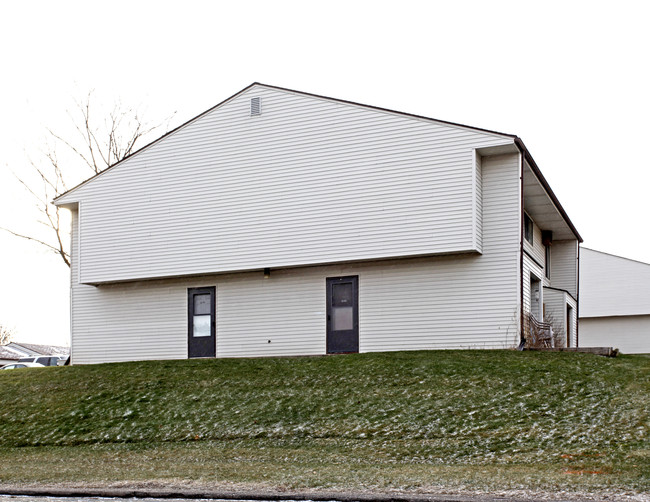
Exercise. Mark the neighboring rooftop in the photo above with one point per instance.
(611, 285)
(8, 355)
(16, 350)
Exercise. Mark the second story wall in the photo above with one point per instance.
(309, 181)
(536, 249)
(564, 266)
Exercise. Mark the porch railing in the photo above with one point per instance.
(537, 334)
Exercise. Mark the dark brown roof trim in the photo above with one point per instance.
(378, 108)
(547, 187)
(285, 90)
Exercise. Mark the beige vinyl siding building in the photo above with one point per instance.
(316, 226)
(614, 302)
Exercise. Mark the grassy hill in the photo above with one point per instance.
(405, 420)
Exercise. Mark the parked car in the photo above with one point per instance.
(15, 366)
(44, 360)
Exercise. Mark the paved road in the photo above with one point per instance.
(297, 497)
(27, 498)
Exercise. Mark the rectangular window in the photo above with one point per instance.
(547, 261)
(528, 228)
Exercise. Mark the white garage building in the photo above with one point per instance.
(614, 302)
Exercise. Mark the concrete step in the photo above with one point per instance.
(600, 351)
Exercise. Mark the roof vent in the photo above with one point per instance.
(256, 106)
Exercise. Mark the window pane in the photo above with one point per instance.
(202, 304)
(201, 324)
(342, 294)
(528, 228)
(342, 318)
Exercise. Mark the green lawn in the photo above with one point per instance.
(403, 420)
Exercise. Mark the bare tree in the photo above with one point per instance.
(6, 334)
(94, 145)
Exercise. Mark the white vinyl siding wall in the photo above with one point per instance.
(310, 181)
(74, 275)
(534, 262)
(536, 249)
(614, 302)
(613, 285)
(459, 301)
(555, 312)
(630, 334)
(531, 267)
(555, 305)
(573, 327)
(131, 322)
(478, 203)
(528, 267)
(564, 266)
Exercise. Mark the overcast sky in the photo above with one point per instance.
(570, 78)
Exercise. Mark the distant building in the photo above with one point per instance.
(13, 351)
(614, 302)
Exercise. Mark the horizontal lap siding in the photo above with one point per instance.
(478, 209)
(536, 249)
(74, 285)
(232, 192)
(459, 301)
(630, 334)
(455, 301)
(125, 322)
(531, 268)
(612, 285)
(279, 316)
(573, 328)
(564, 266)
(555, 313)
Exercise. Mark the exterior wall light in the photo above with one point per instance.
(267, 273)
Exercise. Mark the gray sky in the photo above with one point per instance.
(570, 78)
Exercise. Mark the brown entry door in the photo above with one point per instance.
(342, 314)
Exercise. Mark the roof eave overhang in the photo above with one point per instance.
(65, 204)
(547, 188)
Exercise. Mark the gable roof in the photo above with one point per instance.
(8, 355)
(282, 89)
(33, 349)
(514, 138)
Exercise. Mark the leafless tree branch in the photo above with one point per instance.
(98, 145)
(59, 251)
(6, 334)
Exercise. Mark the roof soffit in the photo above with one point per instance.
(541, 208)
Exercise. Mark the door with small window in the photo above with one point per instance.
(202, 339)
(342, 314)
